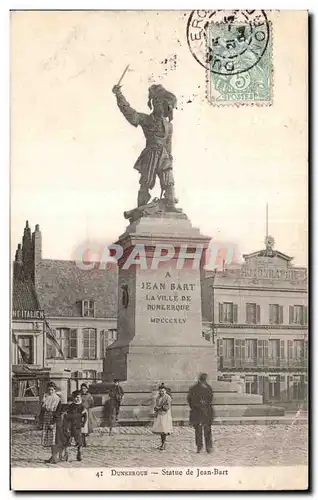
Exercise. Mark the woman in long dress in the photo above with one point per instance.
(51, 419)
(163, 419)
(88, 403)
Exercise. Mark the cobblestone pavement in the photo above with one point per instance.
(234, 445)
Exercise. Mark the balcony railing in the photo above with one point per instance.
(265, 363)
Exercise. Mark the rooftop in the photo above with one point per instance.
(61, 286)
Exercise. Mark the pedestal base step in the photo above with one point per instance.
(181, 413)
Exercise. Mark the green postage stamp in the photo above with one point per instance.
(239, 61)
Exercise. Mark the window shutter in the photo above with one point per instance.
(305, 353)
(243, 347)
(289, 387)
(271, 318)
(73, 343)
(102, 343)
(234, 313)
(282, 349)
(290, 349)
(282, 388)
(220, 353)
(291, 314)
(55, 353)
(221, 348)
(220, 312)
(258, 314)
(281, 315)
(93, 346)
(265, 346)
(247, 318)
(305, 315)
(237, 347)
(92, 307)
(260, 385)
(260, 353)
(49, 350)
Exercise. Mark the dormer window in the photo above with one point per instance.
(88, 308)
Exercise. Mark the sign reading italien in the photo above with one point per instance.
(27, 314)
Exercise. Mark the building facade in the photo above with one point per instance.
(257, 313)
(78, 308)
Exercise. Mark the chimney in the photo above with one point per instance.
(17, 264)
(18, 254)
(37, 246)
(27, 253)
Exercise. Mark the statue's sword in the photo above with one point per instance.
(122, 76)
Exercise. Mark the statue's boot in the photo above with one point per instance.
(143, 196)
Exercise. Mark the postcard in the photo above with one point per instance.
(159, 321)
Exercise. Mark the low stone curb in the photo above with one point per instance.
(302, 420)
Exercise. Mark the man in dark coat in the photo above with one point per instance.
(201, 412)
(116, 395)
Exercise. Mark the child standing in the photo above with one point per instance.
(163, 419)
(88, 403)
(75, 421)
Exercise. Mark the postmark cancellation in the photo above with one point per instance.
(235, 48)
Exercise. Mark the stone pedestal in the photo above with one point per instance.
(159, 334)
(160, 325)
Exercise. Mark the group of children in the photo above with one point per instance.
(63, 424)
(73, 422)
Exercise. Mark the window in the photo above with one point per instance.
(107, 337)
(251, 384)
(25, 351)
(88, 308)
(273, 352)
(89, 347)
(299, 349)
(297, 353)
(251, 350)
(227, 312)
(298, 388)
(90, 374)
(26, 388)
(252, 313)
(273, 387)
(297, 315)
(228, 352)
(67, 339)
(276, 314)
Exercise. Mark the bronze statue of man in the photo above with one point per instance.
(156, 159)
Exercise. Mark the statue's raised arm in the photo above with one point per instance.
(131, 115)
(155, 161)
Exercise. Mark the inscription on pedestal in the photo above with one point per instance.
(176, 299)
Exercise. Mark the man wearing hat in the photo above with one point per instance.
(116, 395)
(156, 159)
(200, 398)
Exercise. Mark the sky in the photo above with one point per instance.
(72, 152)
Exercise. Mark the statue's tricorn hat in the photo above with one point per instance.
(160, 92)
